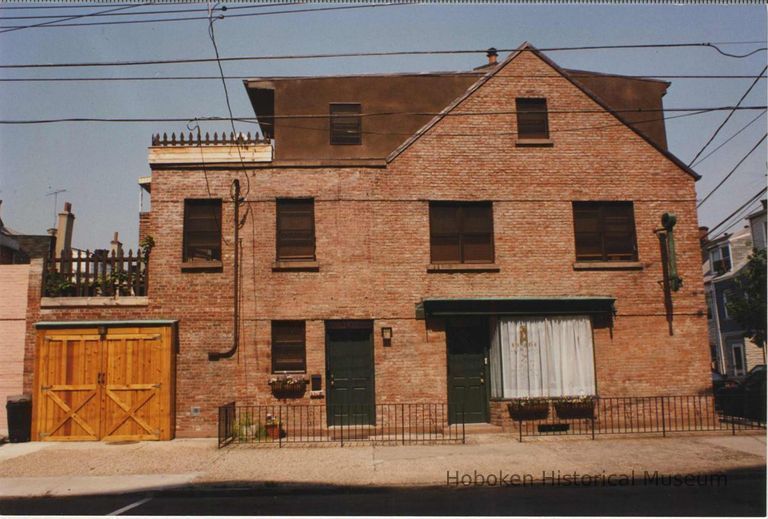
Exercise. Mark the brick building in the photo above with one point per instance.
(457, 237)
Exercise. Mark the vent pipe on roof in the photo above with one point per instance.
(492, 55)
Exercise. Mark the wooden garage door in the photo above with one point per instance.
(117, 386)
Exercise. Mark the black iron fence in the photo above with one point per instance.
(637, 415)
(405, 424)
(96, 273)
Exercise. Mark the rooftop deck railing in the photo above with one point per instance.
(93, 274)
(192, 139)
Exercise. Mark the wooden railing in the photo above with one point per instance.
(200, 140)
(97, 273)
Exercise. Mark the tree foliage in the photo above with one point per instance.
(747, 306)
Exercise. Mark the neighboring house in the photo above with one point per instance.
(461, 238)
(19, 248)
(724, 258)
(758, 224)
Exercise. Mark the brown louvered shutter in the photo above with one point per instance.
(461, 232)
(604, 231)
(532, 118)
(346, 123)
(296, 229)
(202, 230)
(288, 346)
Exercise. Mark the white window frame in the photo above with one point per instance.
(716, 255)
(736, 346)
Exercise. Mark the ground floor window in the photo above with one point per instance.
(542, 357)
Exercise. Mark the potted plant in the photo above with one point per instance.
(288, 386)
(273, 428)
(576, 407)
(528, 409)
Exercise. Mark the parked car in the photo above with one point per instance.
(744, 398)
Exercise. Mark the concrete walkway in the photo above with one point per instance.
(36, 469)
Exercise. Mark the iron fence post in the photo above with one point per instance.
(663, 419)
(463, 422)
(402, 422)
(280, 426)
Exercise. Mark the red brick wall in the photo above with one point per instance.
(13, 310)
(373, 250)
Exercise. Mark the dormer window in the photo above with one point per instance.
(720, 259)
(346, 123)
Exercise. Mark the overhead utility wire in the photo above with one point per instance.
(732, 170)
(67, 6)
(729, 139)
(315, 116)
(727, 218)
(343, 54)
(241, 15)
(138, 13)
(497, 76)
(728, 117)
(46, 24)
(737, 219)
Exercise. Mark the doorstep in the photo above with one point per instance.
(482, 428)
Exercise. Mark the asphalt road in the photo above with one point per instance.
(740, 494)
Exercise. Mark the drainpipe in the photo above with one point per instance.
(216, 355)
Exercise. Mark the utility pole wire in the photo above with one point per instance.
(729, 139)
(722, 222)
(44, 24)
(728, 118)
(139, 13)
(360, 54)
(732, 170)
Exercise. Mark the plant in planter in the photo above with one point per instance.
(288, 386)
(576, 407)
(57, 284)
(528, 409)
(273, 428)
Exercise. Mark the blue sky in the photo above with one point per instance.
(99, 164)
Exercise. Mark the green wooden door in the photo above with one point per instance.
(349, 372)
(468, 343)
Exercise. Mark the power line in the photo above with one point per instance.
(326, 116)
(732, 170)
(415, 74)
(346, 54)
(737, 219)
(728, 117)
(139, 13)
(87, 6)
(241, 15)
(46, 24)
(727, 218)
(729, 139)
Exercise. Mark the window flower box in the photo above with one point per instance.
(528, 409)
(575, 408)
(288, 386)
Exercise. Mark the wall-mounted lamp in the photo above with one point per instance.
(386, 334)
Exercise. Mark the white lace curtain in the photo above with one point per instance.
(542, 357)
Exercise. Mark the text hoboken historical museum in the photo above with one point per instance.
(576, 479)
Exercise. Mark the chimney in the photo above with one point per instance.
(492, 55)
(117, 246)
(64, 229)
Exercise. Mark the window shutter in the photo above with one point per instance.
(288, 346)
(604, 231)
(532, 118)
(346, 123)
(202, 230)
(295, 229)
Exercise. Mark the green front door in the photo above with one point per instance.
(468, 342)
(349, 372)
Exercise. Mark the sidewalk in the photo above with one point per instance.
(36, 469)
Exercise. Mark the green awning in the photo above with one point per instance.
(576, 305)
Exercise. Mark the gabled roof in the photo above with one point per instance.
(527, 47)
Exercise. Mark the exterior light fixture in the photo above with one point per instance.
(386, 333)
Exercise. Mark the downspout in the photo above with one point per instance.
(216, 355)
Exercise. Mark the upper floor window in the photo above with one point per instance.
(202, 230)
(461, 232)
(532, 119)
(295, 229)
(346, 123)
(604, 231)
(720, 259)
(288, 346)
